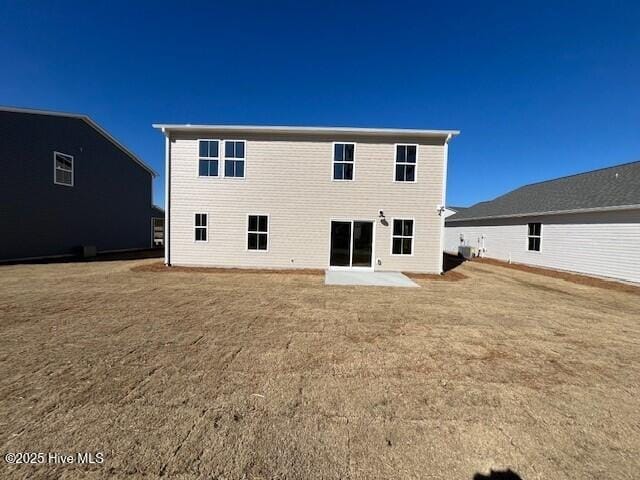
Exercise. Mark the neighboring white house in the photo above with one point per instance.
(305, 197)
(587, 223)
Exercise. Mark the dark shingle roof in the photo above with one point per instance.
(457, 209)
(608, 187)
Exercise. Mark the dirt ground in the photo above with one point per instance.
(233, 375)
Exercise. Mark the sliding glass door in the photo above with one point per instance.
(340, 244)
(351, 244)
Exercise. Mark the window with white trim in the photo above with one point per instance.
(201, 227)
(62, 169)
(258, 232)
(209, 158)
(343, 161)
(406, 157)
(402, 237)
(534, 236)
(234, 158)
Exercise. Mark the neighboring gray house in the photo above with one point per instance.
(305, 197)
(67, 184)
(587, 223)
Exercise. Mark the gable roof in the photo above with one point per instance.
(92, 124)
(281, 129)
(614, 187)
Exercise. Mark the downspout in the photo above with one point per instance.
(167, 198)
(152, 235)
(444, 198)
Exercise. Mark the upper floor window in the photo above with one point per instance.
(343, 159)
(62, 169)
(201, 227)
(234, 158)
(258, 232)
(406, 163)
(402, 237)
(209, 157)
(534, 236)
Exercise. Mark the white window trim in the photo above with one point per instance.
(206, 228)
(209, 158)
(395, 162)
(224, 158)
(55, 169)
(412, 237)
(333, 161)
(533, 236)
(268, 232)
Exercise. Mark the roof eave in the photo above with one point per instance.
(400, 132)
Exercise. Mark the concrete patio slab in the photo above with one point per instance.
(375, 279)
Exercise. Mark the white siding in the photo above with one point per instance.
(290, 178)
(604, 244)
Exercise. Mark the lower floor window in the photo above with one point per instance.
(534, 236)
(402, 240)
(258, 232)
(201, 222)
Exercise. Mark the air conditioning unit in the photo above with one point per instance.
(467, 252)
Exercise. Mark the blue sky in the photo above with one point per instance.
(538, 89)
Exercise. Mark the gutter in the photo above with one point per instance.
(553, 212)
(444, 197)
(293, 130)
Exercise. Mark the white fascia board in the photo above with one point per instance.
(402, 132)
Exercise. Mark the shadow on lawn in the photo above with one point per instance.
(451, 262)
(498, 475)
(100, 257)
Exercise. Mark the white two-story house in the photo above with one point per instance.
(305, 197)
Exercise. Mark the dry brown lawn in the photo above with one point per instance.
(261, 375)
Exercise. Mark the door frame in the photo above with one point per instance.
(373, 245)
